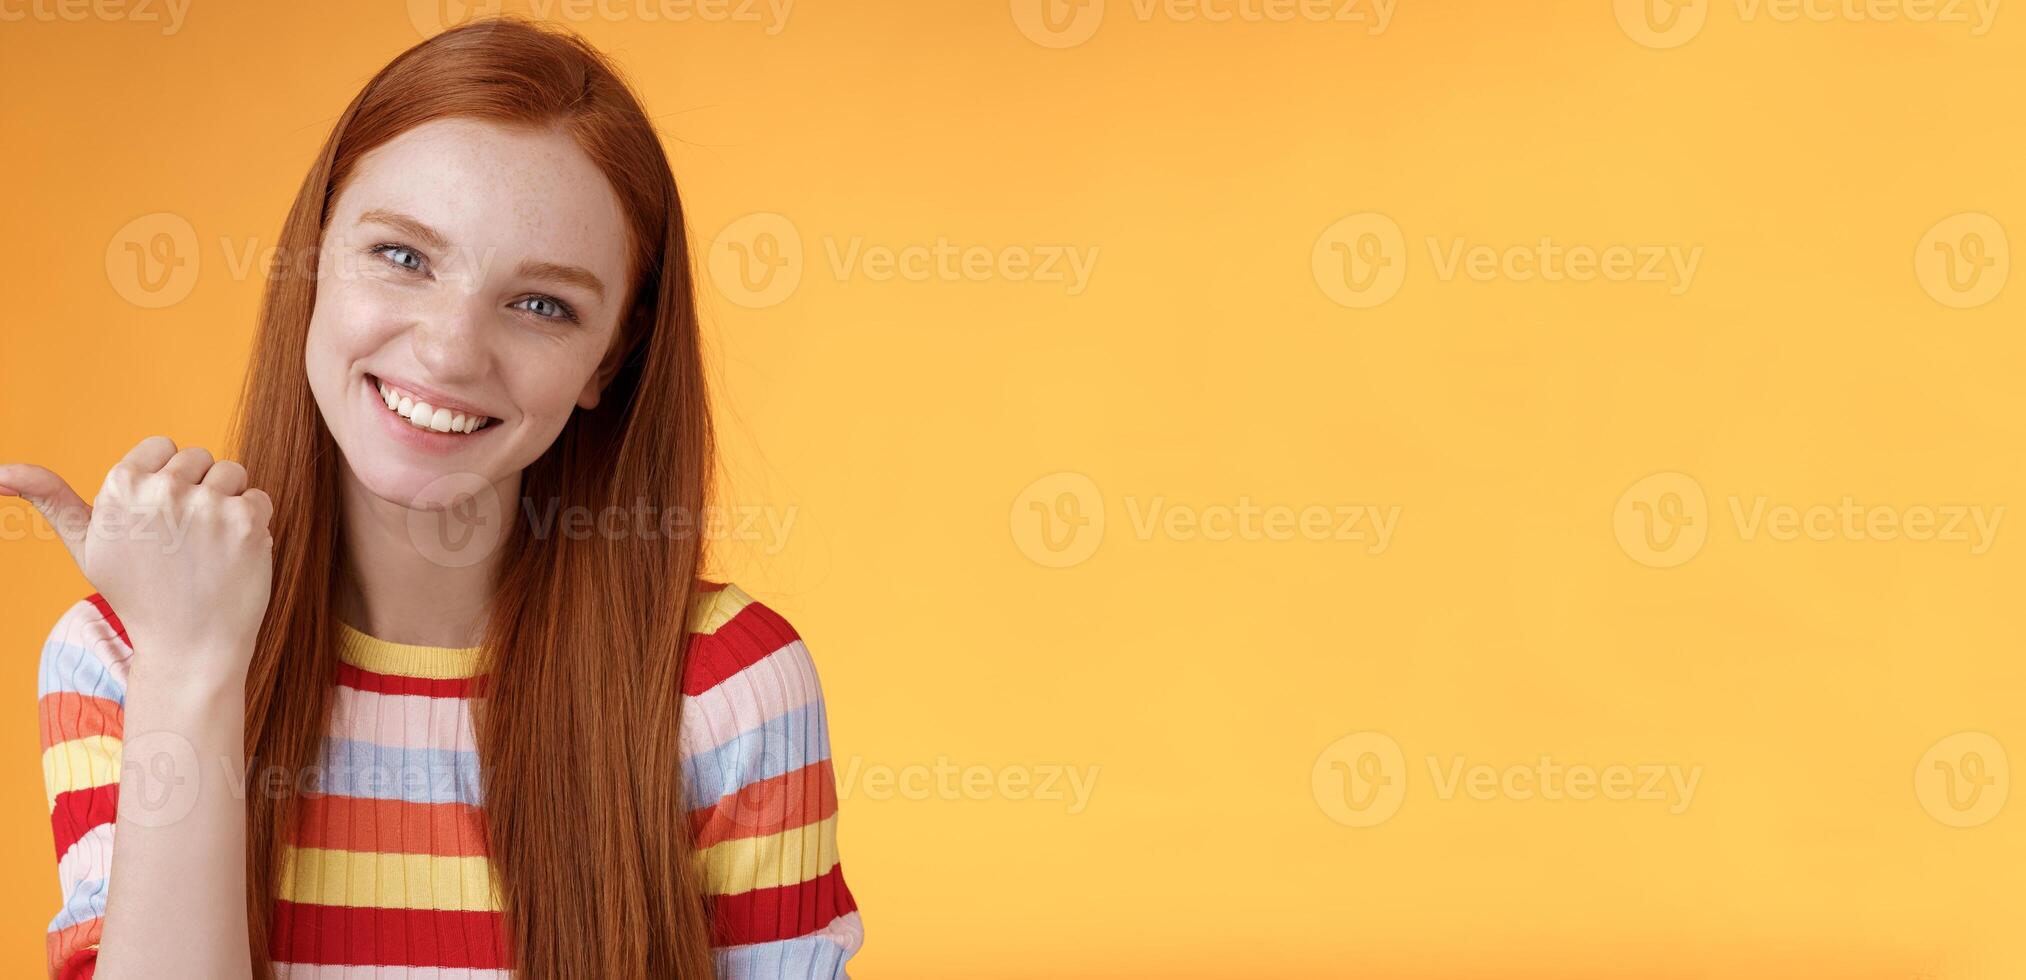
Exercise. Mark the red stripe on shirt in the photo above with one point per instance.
(336, 934)
(72, 951)
(751, 634)
(807, 795)
(350, 823)
(111, 618)
(766, 915)
(68, 714)
(79, 810)
(360, 679)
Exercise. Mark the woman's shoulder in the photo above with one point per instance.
(86, 652)
(733, 635)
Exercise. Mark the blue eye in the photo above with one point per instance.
(400, 255)
(548, 308)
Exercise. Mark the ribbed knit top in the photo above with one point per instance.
(388, 873)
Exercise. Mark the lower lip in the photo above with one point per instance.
(414, 436)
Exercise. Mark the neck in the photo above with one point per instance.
(422, 577)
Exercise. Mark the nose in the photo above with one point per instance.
(449, 340)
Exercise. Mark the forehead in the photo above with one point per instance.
(526, 192)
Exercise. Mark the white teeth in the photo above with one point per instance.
(423, 415)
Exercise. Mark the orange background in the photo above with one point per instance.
(1519, 608)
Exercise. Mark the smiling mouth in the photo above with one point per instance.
(423, 415)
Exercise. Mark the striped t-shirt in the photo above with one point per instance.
(388, 874)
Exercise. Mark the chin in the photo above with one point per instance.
(408, 486)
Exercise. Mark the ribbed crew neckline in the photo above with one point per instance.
(380, 656)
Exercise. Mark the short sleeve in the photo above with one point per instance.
(81, 688)
(763, 796)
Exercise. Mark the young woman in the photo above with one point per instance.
(336, 735)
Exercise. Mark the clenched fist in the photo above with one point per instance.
(177, 544)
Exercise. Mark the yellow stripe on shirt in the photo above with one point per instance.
(80, 763)
(714, 609)
(787, 858)
(321, 876)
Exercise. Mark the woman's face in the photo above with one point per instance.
(468, 269)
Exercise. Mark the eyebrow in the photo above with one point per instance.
(569, 274)
(551, 271)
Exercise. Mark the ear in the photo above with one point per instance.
(588, 398)
(607, 368)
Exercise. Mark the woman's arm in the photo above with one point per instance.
(763, 797)
(155, 764)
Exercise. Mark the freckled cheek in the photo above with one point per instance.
(354, 320)
(542, 374)
(545, 400)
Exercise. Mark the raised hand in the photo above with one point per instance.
(176, 542)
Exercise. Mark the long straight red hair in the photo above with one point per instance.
(586, 635)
